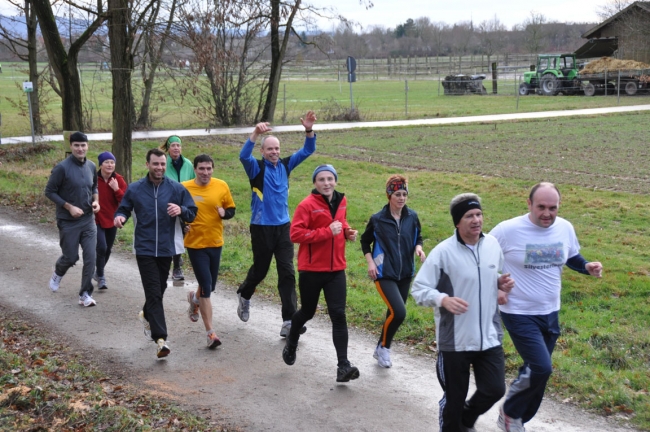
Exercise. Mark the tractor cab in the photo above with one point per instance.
(553, 73)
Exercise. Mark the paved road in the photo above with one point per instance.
(244, 382)
(338, 126)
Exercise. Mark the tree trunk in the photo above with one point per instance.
(121, 70)
(64, 63)
(277, 56)
(32, 24)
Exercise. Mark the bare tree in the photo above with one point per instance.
(611, 8)
(26, 50)
(64, 63)
(155, 36)
(492, 36)
(223, 38)
(534, 32)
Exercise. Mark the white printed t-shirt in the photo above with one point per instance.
(534, 257)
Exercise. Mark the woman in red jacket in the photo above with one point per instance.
(111, 188)
(320, 227)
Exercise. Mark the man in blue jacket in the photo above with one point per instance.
(270, 223)
(157, 201)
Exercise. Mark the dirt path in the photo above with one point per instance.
(244, 382)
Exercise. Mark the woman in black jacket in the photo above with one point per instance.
(392, 236)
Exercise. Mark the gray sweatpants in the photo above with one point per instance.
(72, 234)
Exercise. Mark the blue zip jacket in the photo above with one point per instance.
(154, 228)
(270, 183)
(393, 244)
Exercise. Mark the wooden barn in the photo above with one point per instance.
(625, 35)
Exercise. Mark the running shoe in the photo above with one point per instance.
(55, 282)
(193, 308)
(145, 325)
(162, 350)
(289, 352)
(213, 340)
(101, 282)
(382, 355)
(177, 274)
(346, 373)
(243, 308)
(286, 329)
(509, 424)
(86, 300)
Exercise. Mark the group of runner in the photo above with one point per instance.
(474, 281)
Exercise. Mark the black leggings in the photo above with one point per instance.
(333, 286)
(394, 294)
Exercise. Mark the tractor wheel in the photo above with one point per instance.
(589, 89)
(524, 89)
(630, 88)
(549, 85)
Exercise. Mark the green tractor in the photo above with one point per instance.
(553, 74)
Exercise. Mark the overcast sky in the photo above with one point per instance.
(390, 13)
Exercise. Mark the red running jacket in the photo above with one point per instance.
(109, 199)
(320, 250)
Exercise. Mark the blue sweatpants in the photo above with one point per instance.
(534, 337)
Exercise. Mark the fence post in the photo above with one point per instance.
(406, 100)
(618, 87)
(494, 78)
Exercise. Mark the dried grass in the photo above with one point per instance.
(611, 64)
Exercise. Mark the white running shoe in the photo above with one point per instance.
(162, 350)
(55, 282)
(509, 424)
(145, 325)
(86, 300)
(383, 356)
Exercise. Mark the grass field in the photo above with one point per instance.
(375, 99)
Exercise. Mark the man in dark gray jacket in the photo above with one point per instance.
(157, 201)
(73, 188)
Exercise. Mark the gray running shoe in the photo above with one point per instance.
(382, 355)
(55, 282)
(243, 308)
(177, 274)
(286, 329)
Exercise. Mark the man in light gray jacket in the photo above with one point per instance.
(460, 279)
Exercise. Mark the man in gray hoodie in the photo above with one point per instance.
(73, 188)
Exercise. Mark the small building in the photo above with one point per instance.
(625, 35)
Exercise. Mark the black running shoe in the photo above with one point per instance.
(346, 373)
(289, 353)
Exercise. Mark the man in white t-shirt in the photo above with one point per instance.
(536, 246)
